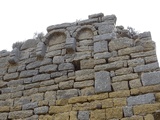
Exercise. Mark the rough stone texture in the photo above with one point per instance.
(28, 73)
(102, 82)
(48, 68)
(135, 62)
(86, 74)
(141, 99)
(83, 115)
(87, 64)
(20, 114)
(66, 66)
(127, 110)
(29, 106)
(41, 77)
(64, 94)
(11, 76)
(120, 85)
(3, 116)
(101, 46)
(150, 78)
(41, 110)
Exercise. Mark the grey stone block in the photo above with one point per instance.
(48, 68)
(120, 43)
(103, 55)
(127, 110)
(150, 78)
(66, 85)
(22, 101)
(3, 71)
(147, 67)
(83, 115)
(28, 73)
(29, 44)
(54, 53)
(123, 85)
(87, 74)
(34, 117)
(33, 65)
(88, 21)
(50, 95)
(143, 54)
(58, 26)
(70, 45)
(102, 82)
(3, 116)
(46, 61)
(31, 105)
(58, 59)
(101, 46)
(83, 84)
(40, 50)
(110, 19)
(41, 77)
(41, 110)
(97, 15)
(106, 29)
(11, 76)
(66, 66)
(144, 35)
(66, 94)
(56, 74)
(136, 62)
(141, 99)
(20, 114)
(107, 36)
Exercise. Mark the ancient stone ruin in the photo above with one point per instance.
(86, 70)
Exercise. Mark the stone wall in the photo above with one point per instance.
(86, 70)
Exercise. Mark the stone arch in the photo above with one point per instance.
(85, 32)
(56, 37)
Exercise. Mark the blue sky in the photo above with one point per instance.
(20, 19)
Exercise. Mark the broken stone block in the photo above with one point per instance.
(70, 45)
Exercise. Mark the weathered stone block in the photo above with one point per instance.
(150, 78)
(105, 28)
(40, 50)
(58, 59)
(151, 59)
(127, 51)
(107, 36)
(54, 53)
(135, 83)
(37, 97)
(125, 77)
(110, 19)
(82, 55)
(122, 93)
(56, 74)
(83, 115)
(65, 94)
(41, 110)
(83, 84)
(127, 110)
(143, 54)
(28, 73)
(11, 76)
(141, 99)
(66, 66)
(102, 82)
(4, 109)
(101, 46)
(60, 109)
(66, 85)
(103, 55)
(41, 77)
(87, 91)
(147, 67)
(119, 102)
(136, 62)
(70, 45)
(33, 65)
(120, 85)
(98, 115)
(87, 64)
(120, 43)
(20, 114)
(86, 74)
(3, 116)
(118, 58)
(28, 106)
(124, 71)
(79, 99)
(48, 68)
(97, 15)
(115, 113)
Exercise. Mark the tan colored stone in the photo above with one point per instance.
(99, 61)
(62, 116)
(113, 59)
(62, 102)
(97, 97)
(107, 103)
(124, 71)
(120, 101)
(87, 91)
(60, 109)
(86, 74)
(43, 103)
(135, 117)
(130, 50)
(46, 117)
(149, 117)
(87, 64)
(98, 115)
(157, 96)
(122, 93)
(79, 99)
(15, 108)
(123, 85)
(151, 59)
(73, 115)
(146, 109)
(125, 77)
(115, 113)
(4, 108)
(135, 83)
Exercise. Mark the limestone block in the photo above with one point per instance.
(31, 105)
(54, 53)
(150, 59)
(143, 54)
(62, 102)
(115, 113)
(65, 94)
(66, 85)
(4, 109)
(141, 99)
(123, 85)
(58, 59)
(34, 117)
(88, 21)
(22, 101)
(135, 83)
(87, 91)
(33, 65)
(127, 110)
(41, 110)
(83, 84)
(101, 46)
(136, 62)
(30, 43)
(28, 73)
(99, 61)
(125, 77)
(58, 26)
(82, 55)
(14, 56)
(134, 117)
(50, 95)
(107, 37)
(87, 64)
(120, 43)
(3, 71)
(150, 78)
(119, 102)
(66, 66)
(102, 82)
(122, 93)
(48, 88)
(37, 97)
(124, 71)
(86, 74)
(46, 61)
(70, 45)
(110, 66)
(84, 48)
(118, 58)
(144, 35)
(40, 50)
(83, 115)
(3, 116)
(106, 29)
(12, 69)
(149, 117)
(147, 67)
(98, 115)
(11, 76)
(60, 109)
(110, 19)
(86, 43)
(129, 50)
(30, 91)
(97, 15)
(62, 116)
(41, 77)
(56, 74)
(103, 55)
(48, 68)
(73, 115)
(61, 79)
(20, 114)
(79, 99)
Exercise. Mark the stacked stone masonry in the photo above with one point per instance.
(86, 70)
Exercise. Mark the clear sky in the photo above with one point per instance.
(20, 19)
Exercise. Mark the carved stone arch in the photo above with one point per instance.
(85, 32)
(56, 37)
